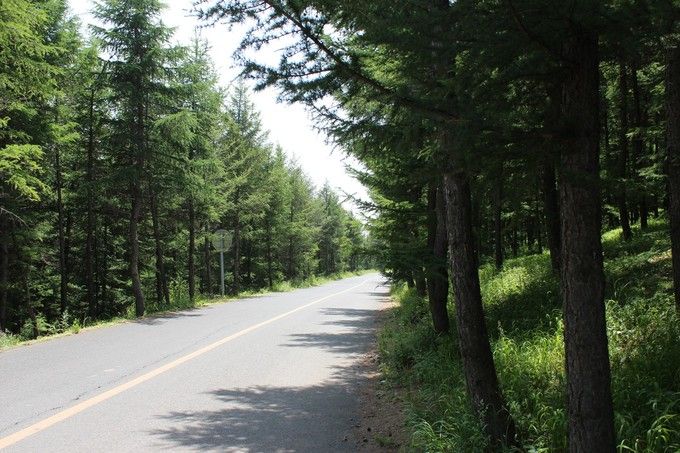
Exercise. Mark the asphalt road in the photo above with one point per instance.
(276, 373)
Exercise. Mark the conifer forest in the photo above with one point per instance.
(522, 159)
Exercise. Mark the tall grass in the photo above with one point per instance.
(524, 317)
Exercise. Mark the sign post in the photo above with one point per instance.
(222, 242)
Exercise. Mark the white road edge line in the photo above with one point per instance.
(88, 403)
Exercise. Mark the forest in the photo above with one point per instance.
(523, 159)
(120, 155)
(523, 162)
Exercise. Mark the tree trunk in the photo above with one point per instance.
(622, 164)
(237, 256)
(673, 156)
(476, 222)
(103, 273)
(162, 291)
(290, 270)
(192, 250)
(90, 289)
(590, 411)
(135, 214)
(290, 264)
(249, 263)
(531, 236)
(29, 303)
(437, 277)
(497, 220)
(98, 278)
(63, 273)
(551, 209)
(638, 149)
(539, 222)
(475, 350)
(270, 259)
(421, 286)
(4, 277)
(644, 212)
(68, 228)
(207, 285)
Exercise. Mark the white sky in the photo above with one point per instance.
(288, 125)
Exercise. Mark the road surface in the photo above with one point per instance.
(276, 373)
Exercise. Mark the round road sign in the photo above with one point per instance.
(221, 240)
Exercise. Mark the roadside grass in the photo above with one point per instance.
(179, 301)
(523, 312)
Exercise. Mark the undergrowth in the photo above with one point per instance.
(523, 312)
(179, 300)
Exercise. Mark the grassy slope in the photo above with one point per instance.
(524, 318)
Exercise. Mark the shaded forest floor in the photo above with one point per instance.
(179, 300)
(525, 322)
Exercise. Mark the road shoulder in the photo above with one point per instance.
(381, 426)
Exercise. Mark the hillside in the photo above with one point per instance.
(525, 323)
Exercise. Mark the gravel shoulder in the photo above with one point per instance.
(381, 426)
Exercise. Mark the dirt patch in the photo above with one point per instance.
(381, 426)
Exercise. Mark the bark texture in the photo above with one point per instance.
(192, 250)
(89, 259)
(438, 277)
(207, 267)
(237, 256)
(590, 411)
(479, 369)
(551, 210)
(638, 158)
(133, 263)
(673, 153)
(622, 164)
(497, 221)
(4, 271)
(162, 291)
(61, 235)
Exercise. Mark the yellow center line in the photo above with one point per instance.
(88, 403)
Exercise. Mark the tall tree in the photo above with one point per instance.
(673, 156)
(27, 81)
(245, 154)
(135, 40)
(591, 415)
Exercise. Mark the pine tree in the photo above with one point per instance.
(27, 82)
(136, 41)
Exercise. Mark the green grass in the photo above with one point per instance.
(524, 318)
(179, 300)
(8, 341)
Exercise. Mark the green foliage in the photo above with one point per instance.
(20, 168)
(439, 415)
(8, 341)
(25, 71)
(87, 128)
(524, 314)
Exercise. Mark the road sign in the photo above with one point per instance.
(221, 240)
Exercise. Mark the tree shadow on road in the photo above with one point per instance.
(270, 419)
(160, 318)
(383, 294)
(318, 418)
(356, 331)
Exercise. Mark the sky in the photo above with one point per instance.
(289, 125)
